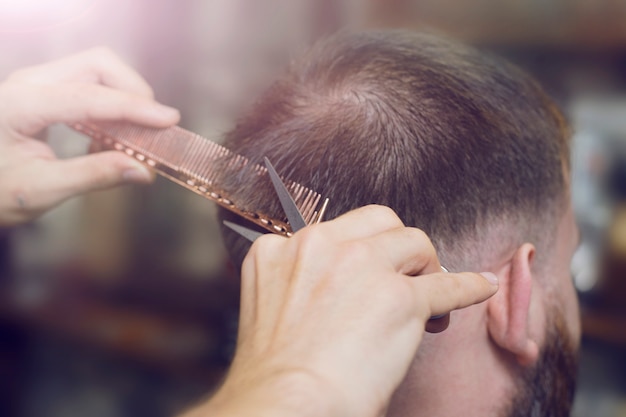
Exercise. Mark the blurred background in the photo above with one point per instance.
(123, 302)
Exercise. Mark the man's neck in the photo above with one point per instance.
(457, 372)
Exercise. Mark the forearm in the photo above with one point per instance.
(281, 396)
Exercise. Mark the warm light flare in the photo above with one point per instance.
(28, 15)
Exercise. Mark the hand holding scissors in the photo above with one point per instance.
(332, 316)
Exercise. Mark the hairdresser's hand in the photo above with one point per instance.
(332, 317)
(94, 85)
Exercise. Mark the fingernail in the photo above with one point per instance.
(491, 277)
(139, 174)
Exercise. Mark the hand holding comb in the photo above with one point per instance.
(190, 160)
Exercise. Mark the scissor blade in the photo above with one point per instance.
(249, 234)
(289, 206)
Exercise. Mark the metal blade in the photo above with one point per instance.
(296, 221)
(249, 234)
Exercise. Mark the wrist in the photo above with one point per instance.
(282, 394)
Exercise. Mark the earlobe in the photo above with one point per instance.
(509, 310)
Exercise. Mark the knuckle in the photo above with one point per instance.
(421, 240)
(266, 254)
(418, 234)
(385, 215)
(310, 239)
(380, 210)
(101, 57)
(102, 53)
(257, 255)
(265, 246)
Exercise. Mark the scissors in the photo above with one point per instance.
(294, 216)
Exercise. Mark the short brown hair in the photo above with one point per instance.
(448, 137)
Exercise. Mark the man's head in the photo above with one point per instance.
(459, 144)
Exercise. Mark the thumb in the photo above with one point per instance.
(32, 188)
(66, 178)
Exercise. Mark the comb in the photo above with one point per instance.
(190, 160)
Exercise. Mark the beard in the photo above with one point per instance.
(547, 389)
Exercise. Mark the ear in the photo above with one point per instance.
(509, 310)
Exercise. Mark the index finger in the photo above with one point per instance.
(97, 66)
(409, 250)
(445, 292)
(35, 107)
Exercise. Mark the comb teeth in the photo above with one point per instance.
(188, 159)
